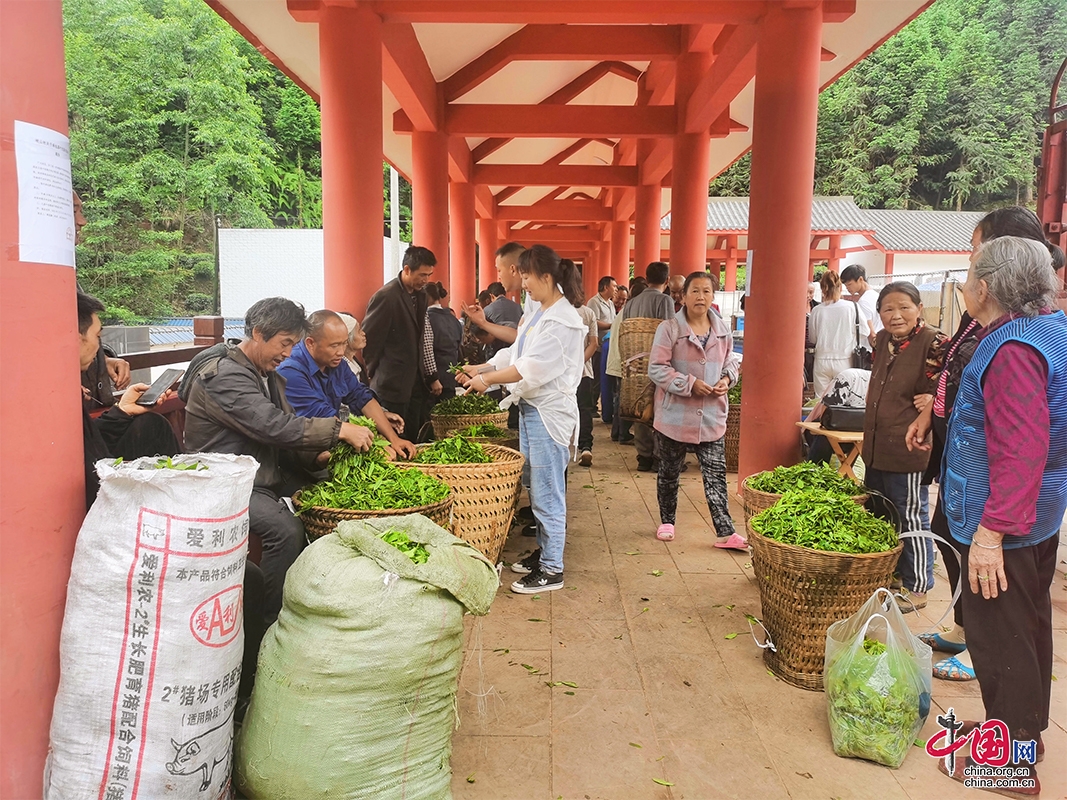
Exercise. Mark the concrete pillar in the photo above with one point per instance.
(730, 284)
(646, 227)
(429, 197)
(461, 256)
(620, 252)
(783, 168)
(690, 171)
(487, 247)
(350, 66)
(43, 499)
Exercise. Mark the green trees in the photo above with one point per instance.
(947, 114)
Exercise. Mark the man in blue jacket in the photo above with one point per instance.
(318, 383)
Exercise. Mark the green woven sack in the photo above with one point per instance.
(355, 690)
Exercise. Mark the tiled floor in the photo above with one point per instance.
(664, 705)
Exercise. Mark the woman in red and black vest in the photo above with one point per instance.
(908, 356)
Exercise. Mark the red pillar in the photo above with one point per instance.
(461, 242)
(646, 227)
(690, 171)
(620, 252)
(834, 246)
(889, 258)
(429, 197)
(591, 272)
(783, 169)
(730, 284)
(350, 65)
(41, 507)
(487, 247)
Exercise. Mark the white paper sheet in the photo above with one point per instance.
(46, 209)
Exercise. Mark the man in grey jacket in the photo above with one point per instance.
(236, 404)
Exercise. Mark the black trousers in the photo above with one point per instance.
(586, 409)
(416, 413)
(147, 435)
(939, 525)
(1010, 639)
(255, 626)
(282, 535)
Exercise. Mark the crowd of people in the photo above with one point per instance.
(983, 413)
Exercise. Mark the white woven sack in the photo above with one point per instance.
(152, 640)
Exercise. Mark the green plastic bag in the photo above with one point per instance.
(877, 696)
(356, 683)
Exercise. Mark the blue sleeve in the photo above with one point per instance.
(356, 394)
(303, 395)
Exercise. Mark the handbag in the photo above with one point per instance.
(862, 357)
(842, 418)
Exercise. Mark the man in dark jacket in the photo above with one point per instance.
(399, 351)
(237, 405)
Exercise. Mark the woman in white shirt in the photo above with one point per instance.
(835, 327)
(542, 369)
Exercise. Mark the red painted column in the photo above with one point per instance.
(690, 171)
(43, 486)
(620, 252)
(350, 65)
(487, 247)
(591, 275)
(730, 284)
(429, 197)
(461, 255)
(889, 259)
(646, 227)
(783, 169)
(834, 246)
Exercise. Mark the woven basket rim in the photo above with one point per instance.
(435, 415)
(639, 324)
(501, 456)
(786, 547)
(758, 493)
(387, 511)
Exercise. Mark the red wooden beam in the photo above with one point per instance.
(557, 234)
(563, 121)
(554, 174)
(407, 74)
(587, 12)
(699, 38)
(733, 68)
(562, 96)
(566, 43)
(556, 211)
(837, 10)
(484, 202)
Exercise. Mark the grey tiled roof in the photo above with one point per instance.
(924, 231)
(921, 231)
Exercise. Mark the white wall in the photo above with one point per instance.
(256, 263)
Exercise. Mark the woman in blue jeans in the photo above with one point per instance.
(542, 370)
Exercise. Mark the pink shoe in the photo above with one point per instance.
(734, 542)
(665, 533)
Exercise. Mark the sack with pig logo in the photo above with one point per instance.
(150, 653)
(356, 683)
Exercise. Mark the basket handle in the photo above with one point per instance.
(959, 560)
(767, 643)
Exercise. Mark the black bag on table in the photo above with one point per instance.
(842, 418)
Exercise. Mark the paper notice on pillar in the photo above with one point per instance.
(46, 211)
(748, 273)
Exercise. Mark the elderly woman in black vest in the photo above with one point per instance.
(908, 356)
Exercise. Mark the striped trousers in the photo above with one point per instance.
(912, 500)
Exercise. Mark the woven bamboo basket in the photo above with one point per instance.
(733, 436)
(755, 502)
(319, 521)
(510, 442)
(803, 592)
(483, 497)
(444, 425)
(635, 342)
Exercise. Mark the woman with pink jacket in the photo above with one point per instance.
(693, 366)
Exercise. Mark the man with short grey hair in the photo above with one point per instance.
(236, 404)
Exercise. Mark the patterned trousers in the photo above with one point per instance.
(712, 458)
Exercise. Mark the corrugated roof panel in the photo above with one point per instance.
(924, 231)
(827, 214)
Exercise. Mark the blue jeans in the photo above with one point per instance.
(912, 499)
(545, 477)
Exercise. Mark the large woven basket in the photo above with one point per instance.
(803, 592)
(635, 343)
(483, 497)
(755, 501)
(510, 442)
(733, 436)
(319, 521)
(444, 425)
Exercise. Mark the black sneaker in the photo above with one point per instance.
(646, 464)
(538, 581)
(527, 565)
(524, 513)
(529, 530)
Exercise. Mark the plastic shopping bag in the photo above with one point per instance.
(877, 678)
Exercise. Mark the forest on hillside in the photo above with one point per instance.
(178, 124)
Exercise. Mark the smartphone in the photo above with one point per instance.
(165, 381)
